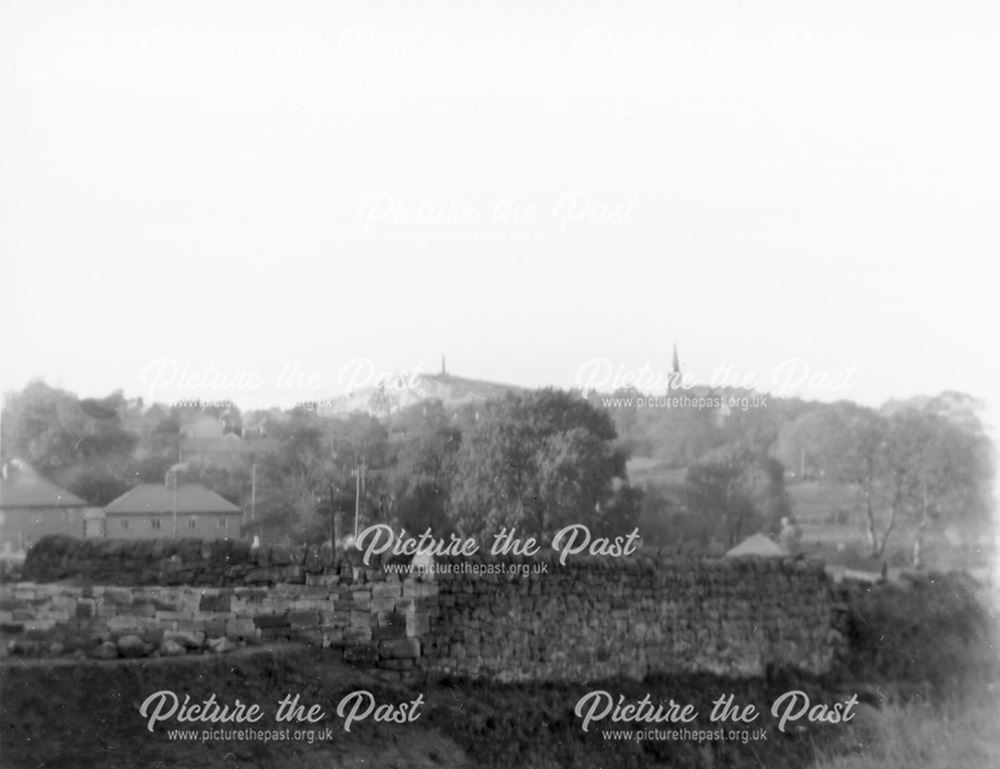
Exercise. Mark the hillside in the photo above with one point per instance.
(450, 389)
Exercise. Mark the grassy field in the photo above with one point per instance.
(651, 471)
(833, 530)
(80, 714)
(920, 656)
(921, 735)
(71, 715)
(68, 715)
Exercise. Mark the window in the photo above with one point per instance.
(156, 522)
(192, 522)
(223, 522)
(124, 523)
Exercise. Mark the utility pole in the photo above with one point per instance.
(173, 482)
(253, 488)
(333, 518)
(359, 473)
(172, 476)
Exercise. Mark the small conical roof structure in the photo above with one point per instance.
(758, 544)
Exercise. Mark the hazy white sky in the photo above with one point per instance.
(237, 186)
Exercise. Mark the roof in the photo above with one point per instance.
(758, 544)
(230, 443)
(158, 498)
(23, 487)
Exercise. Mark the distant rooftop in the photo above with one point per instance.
(158, 498)
(230, 444)
(21, 486)
(758, 544)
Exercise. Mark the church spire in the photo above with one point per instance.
(444, 369)
(674, 381)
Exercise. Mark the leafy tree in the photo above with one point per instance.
(805, 445)
(82, 445)
(909, 470)
(291, 479)
(735, 492)
(43, 426)
(944, 472)
(361, 440)
(422, 474)
(860, 454)
(683, 435)
(537, 461)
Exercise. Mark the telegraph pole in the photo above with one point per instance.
(174, 477)
(333, 520)
(253, 489)
(359, 473)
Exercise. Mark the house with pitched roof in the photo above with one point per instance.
(32, 506)
(172, 510)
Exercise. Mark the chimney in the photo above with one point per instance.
(170, 477)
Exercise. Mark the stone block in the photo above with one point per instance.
(106, 651)
(270, 621)
(215, 628)
(355, 635)
(311, 637)
(387, 590)
(189, 640)
(327, 580)
(361, 619)
(382, 604)
(363, 654)
(396, 664)
(191, 625)
(298, 619)
(214, 603)
(417, 624)
(132, 646)
(258, 577)
(221, 645)
(386, 632)
(399, 648)
(170, 648)
(243, 627)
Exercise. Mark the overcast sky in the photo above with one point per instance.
(227, 188)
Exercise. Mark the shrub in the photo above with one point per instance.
(935, 632)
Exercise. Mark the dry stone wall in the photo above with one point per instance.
(597, 617)
(516, 619)
(375, 623)
(214, 563)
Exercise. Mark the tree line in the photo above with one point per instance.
(908, 467)
(535, 461)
